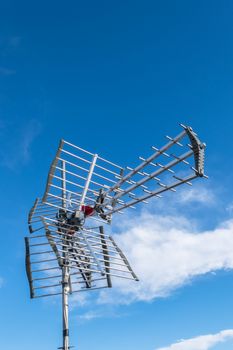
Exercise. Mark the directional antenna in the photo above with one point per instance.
(68, 250)
(98, 188)
(91, 256)
(178, 162)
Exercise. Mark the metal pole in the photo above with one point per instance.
(65, 275)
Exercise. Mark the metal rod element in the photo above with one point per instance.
(82, 200)
(63, 175)
(92, 252)
(74, 291)
(147, 161)
(52, 169)
(155, 193)
(124, 258)
(89, 162)
(71, 211)
(65, 275)
(85, 151)
(86, 170)
(153, 174)
(106, 256)
(31, 212)
(79, 148)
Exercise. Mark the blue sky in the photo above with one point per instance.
(114, 77)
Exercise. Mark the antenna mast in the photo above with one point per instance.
(65, 271)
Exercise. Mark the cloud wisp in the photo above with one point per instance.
(16, 149)
(30, 132)
(203, 342)
(6, 71)
(197, 194)
(101, 313)
(8, 46)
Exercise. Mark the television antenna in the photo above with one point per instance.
(68, 250)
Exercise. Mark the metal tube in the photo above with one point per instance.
(70, 182)
(147, 161)
(83, 238)
(154, 193)
(153, 174)
(85, 151)
(84, 169)
(90, 217)
(80, 177)
(51, 171)
(42, 204)
(31, 212)
(87, 161)
(42, 261)
(42, 214)
(124, 258)
(49, 286)
(86, 233)
(105, 255)
(65, 276)
(73, 200)
(75, 156)
(71, 274)
(86, 187)
(47, 252)
(46, 278)
(79, 148)
(45, 210)
(82, 244)
(47, 269)
(74, 291)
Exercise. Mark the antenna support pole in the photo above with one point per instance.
(65, 274)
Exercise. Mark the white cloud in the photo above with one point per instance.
(30, 132)
(188, 199)
(100, 313)
(229, 208)
(203, 342)
(79, 300)
(90, 315)
(198, 193)
(167, 252)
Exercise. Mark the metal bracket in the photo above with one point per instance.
(198, 150)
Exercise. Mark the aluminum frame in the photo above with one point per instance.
(65, 254)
